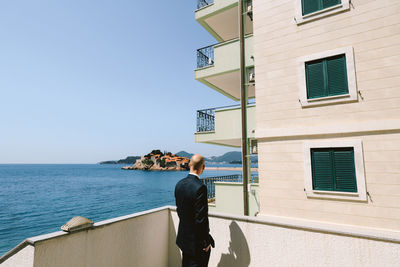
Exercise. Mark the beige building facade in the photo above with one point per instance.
(297, 125)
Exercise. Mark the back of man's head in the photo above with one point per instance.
(197, 163)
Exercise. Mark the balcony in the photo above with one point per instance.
(222, 126)
(235, 178)
(218, 66)
(225, 194)
(203, 3)
(148, 239)
(220, 18)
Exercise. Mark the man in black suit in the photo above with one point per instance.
(192, 206)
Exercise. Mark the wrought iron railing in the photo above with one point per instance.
(206, 120)
(236, 178)
(205, 56)
(201, 3)
(206, 117)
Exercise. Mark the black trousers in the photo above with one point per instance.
(200, 260)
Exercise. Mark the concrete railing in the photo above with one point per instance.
(141, 239)
(148, 239)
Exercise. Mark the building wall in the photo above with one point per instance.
(372, 28)
(228, 123)
(281, 166)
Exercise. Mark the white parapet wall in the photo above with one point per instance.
(148, 239)
(140, 239)
(22, 258)
(273, 241)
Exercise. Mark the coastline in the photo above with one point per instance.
(228, 169)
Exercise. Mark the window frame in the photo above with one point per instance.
(360, 195)
(301, 19)
(351, 96)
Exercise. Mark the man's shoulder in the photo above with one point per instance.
(183, 180)
(196, 181)
(192, 181)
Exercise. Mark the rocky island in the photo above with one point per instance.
(158, 161)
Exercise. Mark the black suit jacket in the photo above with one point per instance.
(192, 207)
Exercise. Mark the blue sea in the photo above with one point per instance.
(39, 199)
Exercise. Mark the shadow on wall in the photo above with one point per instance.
(239, 254)
(174, 254)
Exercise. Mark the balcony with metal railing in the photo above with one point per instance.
(218, 67)
(235, 178)
(222, 125)
(203, 3)
(206, 120)
(205, 56)
(225, 194)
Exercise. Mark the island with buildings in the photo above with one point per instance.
(159, 161)
(232, 157)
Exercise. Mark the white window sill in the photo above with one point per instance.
(355, 194)
(328, 100)
(335, 195)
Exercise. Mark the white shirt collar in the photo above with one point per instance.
(191, 173)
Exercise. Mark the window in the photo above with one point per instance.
(309, 10)
(335, 169)
(311, 6)
(327, 77)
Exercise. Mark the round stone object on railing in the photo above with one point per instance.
(77, 223)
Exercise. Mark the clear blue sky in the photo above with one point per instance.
(88, 80)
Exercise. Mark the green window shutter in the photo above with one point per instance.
(337, 75)
(310, 6)
(322, 169)
(345, 177)
(333, 169)
(326, 77)
(315, 79)
(329, 3)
